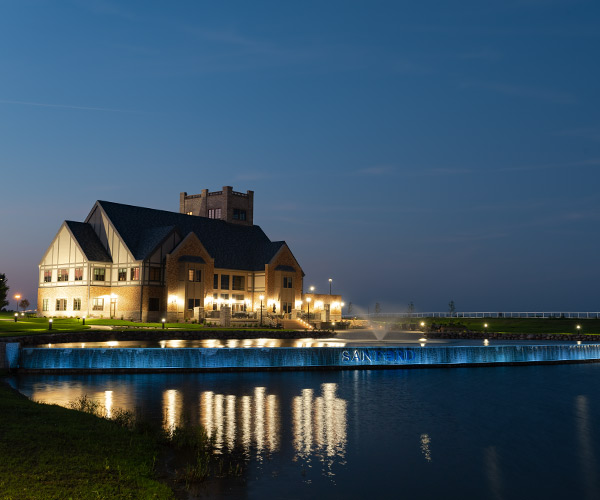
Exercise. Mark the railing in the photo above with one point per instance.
(490, 314)
(237, 193)
(215, 193)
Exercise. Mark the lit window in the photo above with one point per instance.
(47, 277)
(76, 304)
(123, 274)
(135, 274)
(214, 213)
(99, 273)
(44, 304)
(189, 213)
(63, 275)
(98, 304)
(191, 275)
(78, 273)
(61, 304)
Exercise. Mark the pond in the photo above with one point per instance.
(488, 432)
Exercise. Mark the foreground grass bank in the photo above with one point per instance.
(50, 452)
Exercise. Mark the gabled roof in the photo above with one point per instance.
(88, 241)
(233, 246)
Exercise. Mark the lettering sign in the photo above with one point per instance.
(377, 356)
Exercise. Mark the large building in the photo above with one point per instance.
(143, 264)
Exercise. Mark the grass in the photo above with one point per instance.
(32, 326)
(516, 325)
(50, 452)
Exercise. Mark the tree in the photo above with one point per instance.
(3, 291)
(24, 304)
(451, 308)
(377, 308)
(350, 308)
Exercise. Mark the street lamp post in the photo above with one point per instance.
(17, 297)
(262, 297)
(308, 299)
(330, 280)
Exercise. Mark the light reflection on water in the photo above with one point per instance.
(468, 433)
(198, 343)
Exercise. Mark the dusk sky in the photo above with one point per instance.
(412, 151)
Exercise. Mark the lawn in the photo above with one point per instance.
(32, 325)
(516, 325)
(50, 452)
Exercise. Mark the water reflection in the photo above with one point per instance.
(198, 343)
(425, 441)
(586, 454)
(244, 420)
(492, 469)
(319, 423)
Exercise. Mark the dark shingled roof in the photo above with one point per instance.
(233, 246)
(89, 242)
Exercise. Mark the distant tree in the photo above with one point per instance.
(350, 307)
(24, 304)
(3, 291)
(451, 308)
(377, 308)
(411, 308)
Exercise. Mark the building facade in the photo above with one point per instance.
(142, 264)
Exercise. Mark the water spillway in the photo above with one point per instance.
(207, 359)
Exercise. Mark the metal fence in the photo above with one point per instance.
(489, 314)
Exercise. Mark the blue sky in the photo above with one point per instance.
(409, 150)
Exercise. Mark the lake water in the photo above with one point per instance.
(466, 433)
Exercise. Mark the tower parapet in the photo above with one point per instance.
(227, 205)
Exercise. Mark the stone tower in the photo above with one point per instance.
(227, 205)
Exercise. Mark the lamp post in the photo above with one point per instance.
(163, 323)
(16, 317)
(50, 324)
(308, 299)
(262, 297)
(578, 328)
(330, 280)
(17, 297)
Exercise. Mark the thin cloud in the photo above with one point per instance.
(583, 133)
(66, 106)
(523, 91)
(375, 171)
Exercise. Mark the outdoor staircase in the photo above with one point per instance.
(295, 324)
